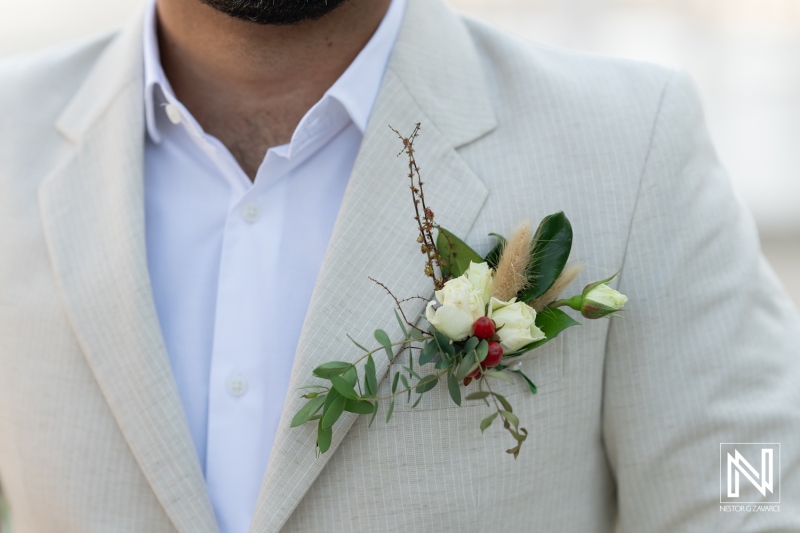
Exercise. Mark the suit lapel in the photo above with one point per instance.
(93, 216)
(433, 78)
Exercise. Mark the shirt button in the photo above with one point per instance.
(173, 113)
(237, 386)
(251, 213)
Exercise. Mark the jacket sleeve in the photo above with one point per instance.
(707, 351)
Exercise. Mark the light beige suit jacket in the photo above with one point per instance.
(630, 413)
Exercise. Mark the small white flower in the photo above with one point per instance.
(516, 324)
(601, 300)
(461, 305)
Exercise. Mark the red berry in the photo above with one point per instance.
(475, 374)
(483, 328)
(495, 355)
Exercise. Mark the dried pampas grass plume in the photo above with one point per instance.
(510, 277)
(567, 276)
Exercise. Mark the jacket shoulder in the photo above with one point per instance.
(534, 80)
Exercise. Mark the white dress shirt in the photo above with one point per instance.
(233, 263)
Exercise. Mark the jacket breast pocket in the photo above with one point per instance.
(544, 366)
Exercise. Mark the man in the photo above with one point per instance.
(188, 225)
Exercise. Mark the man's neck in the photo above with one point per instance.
(248, 84)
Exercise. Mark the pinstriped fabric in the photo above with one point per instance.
(627, 423)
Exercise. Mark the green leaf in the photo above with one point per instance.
(374, 414)
(405, 386)
(493, 257)
(343, 388)
(417, 402)
(531, 386)
(307, 411)
(482, 350)
(511, 417)
(324, 437)
(468, 364)
(402, 325)
(549, 253)
(503, 402)
(471, 344)
(428, 353)
(383, 338)
(391, 410)
(479, 395)
(454, 389)
(498, 375)
(333, 412)
(427, 383)
(351, 376)
(360, 407)
(455, 253)
(486, 422)
(394, 383)
(443, 342)
(332, 368)
(354, 342)
(370, 377)
(552, 322)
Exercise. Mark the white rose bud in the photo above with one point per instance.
(516, 324)
(461, 305)
(601, 300)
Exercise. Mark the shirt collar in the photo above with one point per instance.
(356, 89)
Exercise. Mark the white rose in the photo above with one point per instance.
(602, 301)
(461, 305)
(516, 324)
(480, 275)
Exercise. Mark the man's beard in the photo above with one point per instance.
(275, 11)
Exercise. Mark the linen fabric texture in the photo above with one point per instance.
(625, 430)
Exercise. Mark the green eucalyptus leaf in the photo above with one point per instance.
(370, 377)
(417, 402)
(360, 407)
(351, 376)
(531, 386)
(343, 387)
(454, 389)
(503, 402)
(493, 257)
(444, 344)
(479, 395)
(468, 364)
(383, 338)
(307, 411)
(332, 414)
(549, 253)
(357, 344)
(511, 417)
(428, 353)
(390, 411)
(482, 350)
(402, 325)
(427, 383)
(394, 383)
(374, 414)
(455, 253)
(486, 422)
(441, 363)
(332, 368)
(324, 437)
(405, 386)
(471, 344)
(498, 375)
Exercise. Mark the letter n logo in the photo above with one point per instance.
(748, 473)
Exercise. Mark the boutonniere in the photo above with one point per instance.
(488, 315)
